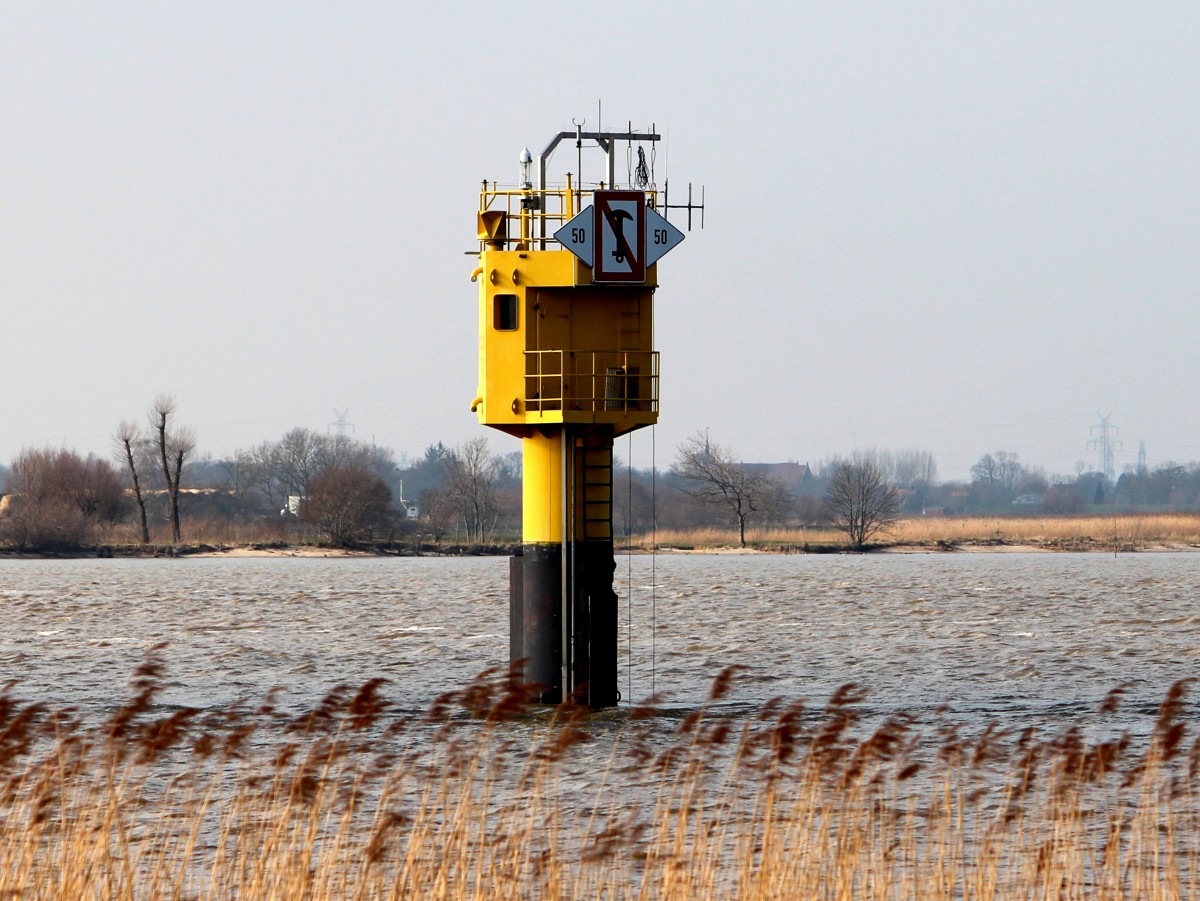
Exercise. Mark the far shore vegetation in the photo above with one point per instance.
(1118, 533)
(158, 493)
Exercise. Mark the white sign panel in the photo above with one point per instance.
(661, 236)
(579, 236)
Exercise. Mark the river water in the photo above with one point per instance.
(1014, 638)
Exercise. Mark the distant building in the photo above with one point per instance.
(910, 500)
(797, 478)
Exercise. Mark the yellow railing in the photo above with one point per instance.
(601, 381)
(532, 216)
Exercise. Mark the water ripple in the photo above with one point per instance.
(1009, 636)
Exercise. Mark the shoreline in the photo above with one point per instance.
(914, 549)
(968, 546)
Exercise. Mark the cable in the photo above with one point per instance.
(653, 558)
(641, 174)
(629, 575)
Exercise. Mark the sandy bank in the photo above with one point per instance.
(291, 551)
(966, 547)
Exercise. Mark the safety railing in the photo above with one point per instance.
(601, 381)
(528, 218)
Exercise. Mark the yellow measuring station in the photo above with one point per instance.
(567, 363)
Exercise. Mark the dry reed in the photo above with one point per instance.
(1127, 532)
(485, 796)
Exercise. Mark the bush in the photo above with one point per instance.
(57, 500)
(347, 504)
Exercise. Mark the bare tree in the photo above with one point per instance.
(299, 456)
(997, 479)
(901, 469)
(263, 468)
(438, 511)
(718, 478)
(174, 447)
(473, 470)
(58, 497)
(346, 504)
(863, 503)
(912, 469)
(633, 500)
(128, 439)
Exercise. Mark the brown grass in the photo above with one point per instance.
(203, 530)
(486, 797)
(1126, 532)
(1123, 532)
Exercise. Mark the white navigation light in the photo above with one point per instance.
(526, 161)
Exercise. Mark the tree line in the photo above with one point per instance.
(305, 484)
(342, 491)
(863, 492)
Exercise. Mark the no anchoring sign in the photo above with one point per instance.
(621, 230)
(619, 236)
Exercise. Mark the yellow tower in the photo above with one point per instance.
(567, 363)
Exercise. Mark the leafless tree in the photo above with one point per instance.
(128, 439)
(267, 474)
(901, 469)
(718, 478)
(863, 503)
(912, 469)
(58, 497)
(997, 478)
(473, 470)
(174, 447)
(300, 455)
(633, 501)
(346, 504)
(264, 473)
(238, 475)
(438, 511)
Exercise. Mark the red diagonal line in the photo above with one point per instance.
(622, 242)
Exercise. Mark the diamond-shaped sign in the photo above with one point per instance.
(578, 236)
(617, 234)
(661, 236)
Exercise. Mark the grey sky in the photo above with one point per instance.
(959, 227)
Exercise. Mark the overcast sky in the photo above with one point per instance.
(960, 227)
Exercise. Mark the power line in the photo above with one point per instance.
(1106, 445)
(340, 425)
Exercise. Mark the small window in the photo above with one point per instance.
(504, 312)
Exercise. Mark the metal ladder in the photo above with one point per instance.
(597, 490)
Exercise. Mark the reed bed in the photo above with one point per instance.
(208, 531)
(1133, 530)
(484, 796)
(1125, 532)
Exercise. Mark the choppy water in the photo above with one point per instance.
(1012, 637)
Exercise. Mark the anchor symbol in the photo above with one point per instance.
(617, 219)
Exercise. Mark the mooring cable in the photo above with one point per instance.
(653, 558)
(629, 574)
